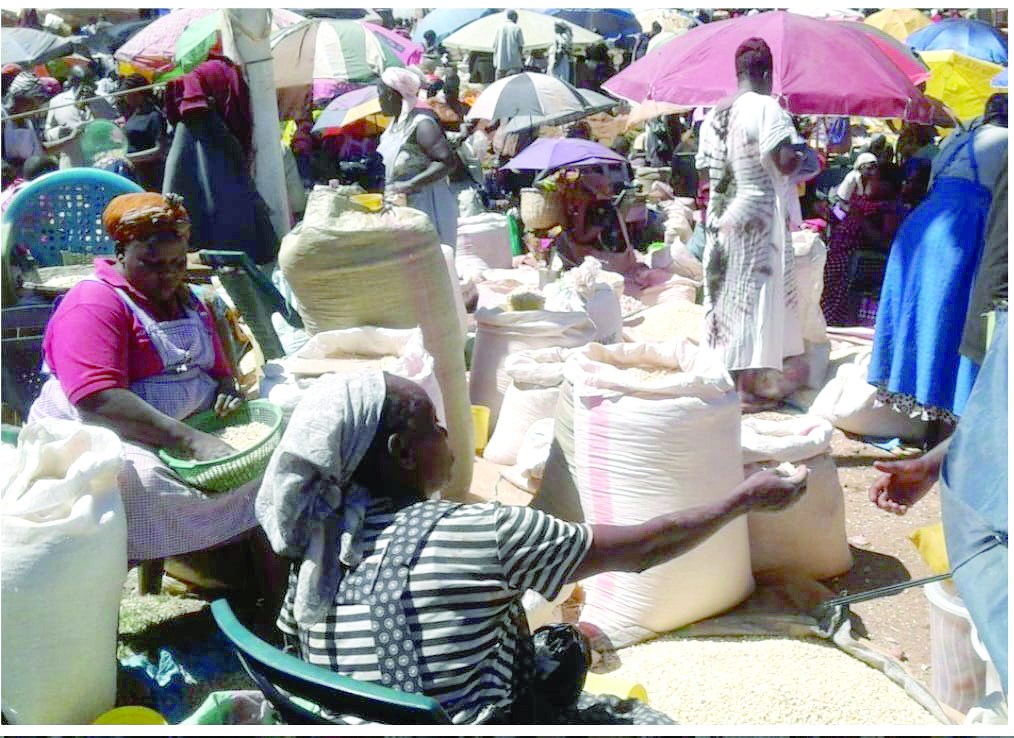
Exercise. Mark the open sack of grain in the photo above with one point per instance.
(674, 319)
(586, 287)
(808, 537)
(656, 430)
(64, 549)
(398, 351)
(343, 257)
(495, 285)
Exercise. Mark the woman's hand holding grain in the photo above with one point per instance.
(771, 491)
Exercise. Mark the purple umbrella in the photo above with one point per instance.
(409, 52)
(546, 154)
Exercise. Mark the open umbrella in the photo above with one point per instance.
(819, 11)
(961, 82)
(29, 46)
(547, 154)
(1000, 80)
(109, 38)
(183, 38)
(820, 68)
(970, 37)
(607, 22)
(320, 58)
(906, 59)
(537, 29)
(899, 23)
(445, 21)
(531, 97)
(355, 107)
(595, 102)
(408, 52)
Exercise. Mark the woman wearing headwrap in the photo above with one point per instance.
(393, 587)
(132, 349)
(21, 137)
(860, 182)
(417, 156)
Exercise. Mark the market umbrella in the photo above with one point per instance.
(961, 82)
(182, 38)
(970, 37)
(1000, 80)
(906, 59)
(109, 38)
(547, 154)
(445, 21)
(820, 68)
(355, 107)
(818, 11)
(408, 52)
(531, 97)
(672, 21)
(537, 29)
(29, 46)
(320, 58)
(607, 22)
(899, 23)
(595, 102)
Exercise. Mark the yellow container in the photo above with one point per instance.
(372, 201)
(480, 422)
(622, 688)
(131, 715)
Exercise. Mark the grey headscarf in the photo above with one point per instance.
(308, 504)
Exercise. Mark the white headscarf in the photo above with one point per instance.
(407, 83)
(308, 504)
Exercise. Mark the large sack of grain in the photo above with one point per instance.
(461, 284)
(349, 266)
(583, 289)
(656, 286)
(558, 494)
(494, 285)
(847, 400)
(534, 389)
(64, 550)
(499, 334)
(679, 222)
(809, 537)
(810, 255)
(656, 431)
(484, 242)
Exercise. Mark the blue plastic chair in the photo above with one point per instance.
(61, 212)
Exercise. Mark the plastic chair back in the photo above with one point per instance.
(62, 212)
(281, 676)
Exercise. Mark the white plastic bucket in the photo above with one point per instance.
(992, 676)
(959, 674)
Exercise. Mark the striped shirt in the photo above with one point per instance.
(476, 562)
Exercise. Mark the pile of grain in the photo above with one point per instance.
(649, 373)
(765, 681)
(630, 305)
(668, 320)
(243, 436)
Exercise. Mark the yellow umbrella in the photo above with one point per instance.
(961, 82)
(898, 22)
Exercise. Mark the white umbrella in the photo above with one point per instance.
(537, 28)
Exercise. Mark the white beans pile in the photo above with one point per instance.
(243, 436)
(765, 681)
(629, 305)
(649, 373)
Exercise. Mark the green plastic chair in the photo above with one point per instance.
(283, 677)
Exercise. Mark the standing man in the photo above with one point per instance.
(508, 47)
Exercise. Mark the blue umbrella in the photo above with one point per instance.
(1000, 80)
(970, 37)
(445, 21)
(30, 46)
(608, 22)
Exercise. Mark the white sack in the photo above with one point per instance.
(499, 334)
(645, 447)
(582, 289)
(484, 242)
(63, 534)
(685, 264)
(534, 451)
(532, 394)
(810, 255)
(791, 439)
(459, 294)
(494, 285)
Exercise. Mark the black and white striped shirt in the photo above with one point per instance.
(474, 564)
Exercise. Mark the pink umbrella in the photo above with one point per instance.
(820, 68)
(913, 67)
(408, 51)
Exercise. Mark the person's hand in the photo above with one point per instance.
(227, 402)
(402, 188)
(771, 491)
(206, 447)
(902, 484)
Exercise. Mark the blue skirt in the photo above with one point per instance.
(921, 315)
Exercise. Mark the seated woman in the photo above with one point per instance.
(857, 183)
(346, 496)
(132, 349)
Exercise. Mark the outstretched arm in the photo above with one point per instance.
(904, 483)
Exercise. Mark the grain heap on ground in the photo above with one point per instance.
(765, 681)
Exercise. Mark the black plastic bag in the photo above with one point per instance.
(562, 659)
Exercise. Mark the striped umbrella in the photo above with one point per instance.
(408, 52)
(537, 98)
(356, 111)
(323, 57)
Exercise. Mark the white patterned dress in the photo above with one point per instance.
(750, 298)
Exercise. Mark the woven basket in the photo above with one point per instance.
(230, 472)
(540, 209)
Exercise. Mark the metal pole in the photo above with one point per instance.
(118, 93)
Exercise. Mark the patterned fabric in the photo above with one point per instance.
(139, 216)
(848, 236)
(460, 601)
(750, 297)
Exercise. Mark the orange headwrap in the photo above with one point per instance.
(140, 216)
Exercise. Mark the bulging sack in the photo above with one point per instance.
(351, 267)
(499, 334)
(484, 242)
(810, 255)
(656, 431)
(63, 533)
(581, 288)
(808, 537)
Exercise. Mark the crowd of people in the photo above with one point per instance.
(921, 226)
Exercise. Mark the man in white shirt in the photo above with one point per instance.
(508, 47)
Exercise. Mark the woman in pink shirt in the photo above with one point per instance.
(132, 349)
